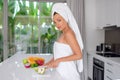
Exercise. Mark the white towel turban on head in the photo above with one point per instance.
(66, 13)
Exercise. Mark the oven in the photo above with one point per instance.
(98, 69)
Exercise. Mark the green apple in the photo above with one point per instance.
(36, 69)
(25, 61)
(34, 65)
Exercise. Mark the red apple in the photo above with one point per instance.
(40, 62)
(27, 65)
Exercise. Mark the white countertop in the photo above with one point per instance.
(115, 59)
(13, 69)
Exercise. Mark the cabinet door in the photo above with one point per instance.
(111, 12)
(106, 12)
(109, 71)
(100, 13)
(117, 72)
(112, 70)
(118, 12)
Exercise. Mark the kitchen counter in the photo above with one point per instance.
(111, 66)
(116, 60)
(13, 69)
(113, 59)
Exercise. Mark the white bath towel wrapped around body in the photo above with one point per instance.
(67, 70)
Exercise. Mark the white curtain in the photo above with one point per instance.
(77, 8)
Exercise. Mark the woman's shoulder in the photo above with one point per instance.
(69, 34)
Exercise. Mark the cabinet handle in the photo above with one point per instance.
(109, 78)
(109, 71)
(98, 67)
(110, 64)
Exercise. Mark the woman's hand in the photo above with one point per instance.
(53, 64)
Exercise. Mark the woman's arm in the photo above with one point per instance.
(77, 54)
(46, 64)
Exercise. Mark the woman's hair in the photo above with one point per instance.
(55, 13)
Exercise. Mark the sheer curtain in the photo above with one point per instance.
(77, 8)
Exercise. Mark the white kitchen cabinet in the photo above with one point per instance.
(117, 72)
(111, 67)
(112, 70)
(90, 66)
(109, 71)
(107, 13)
(118, 12)
(100, 13)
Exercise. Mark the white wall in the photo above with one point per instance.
(93, 35)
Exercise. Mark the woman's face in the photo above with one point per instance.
(60, 22)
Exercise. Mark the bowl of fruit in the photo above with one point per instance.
(32, 62)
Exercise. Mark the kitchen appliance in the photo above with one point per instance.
(108, 54)
(108, 50)
(98, 69)
(104, 47)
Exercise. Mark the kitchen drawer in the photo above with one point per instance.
(109, 65)
(117, 72)
(109, 71)
(112, 71)
(109, 74)
(108, 78)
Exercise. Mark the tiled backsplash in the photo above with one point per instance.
(113, 37)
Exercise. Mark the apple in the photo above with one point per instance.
(41, 70)
(27, 65)
(40, 62)
(32, 65)
(35, 65)
(25, 61)
(36, 69)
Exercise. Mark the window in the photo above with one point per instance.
(1, 36)
(30, 26)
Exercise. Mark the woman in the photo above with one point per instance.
(68, 47)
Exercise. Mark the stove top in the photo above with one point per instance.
(108, 54)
